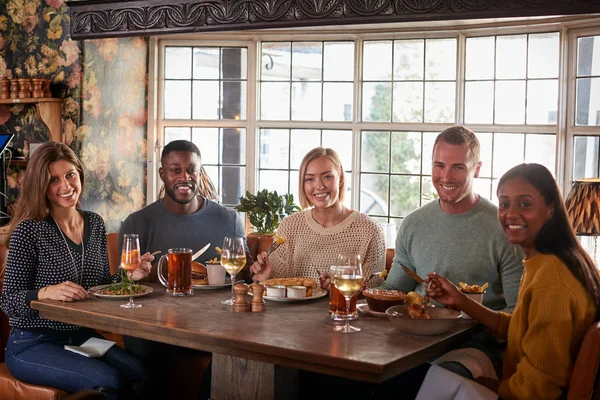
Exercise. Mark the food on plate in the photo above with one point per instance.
(380, 299)
(214, 261)
(121, 289)
(413, 298)
(309, 283)
(383, 274)
(418, 311)
(472, 288)
(219, 250)
(199, 275)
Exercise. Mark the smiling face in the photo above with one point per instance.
(522, 212)
(452, 175)
(180, 172)
(64, 187)
(322, 182)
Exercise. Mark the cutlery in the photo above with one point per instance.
(155, 253)
(412, 274)
(200, 252)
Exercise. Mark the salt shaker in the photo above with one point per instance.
(258, 303)
(240, 303)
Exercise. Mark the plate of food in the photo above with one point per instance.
(119, 290)
(289, 290)
(200, 279)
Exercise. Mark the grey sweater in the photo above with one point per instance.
(470, 247)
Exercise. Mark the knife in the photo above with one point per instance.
(200, 252)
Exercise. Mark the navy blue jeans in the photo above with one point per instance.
(41, 359)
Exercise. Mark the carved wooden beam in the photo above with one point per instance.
(110, 18)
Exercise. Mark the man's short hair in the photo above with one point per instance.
(180, 145)
(458, 135)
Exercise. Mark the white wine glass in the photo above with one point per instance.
(348, 279)
(130, 261)
(233, 260)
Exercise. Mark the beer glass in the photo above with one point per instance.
(130, 261)
(233, 260)
(348, 279)
(179, 279)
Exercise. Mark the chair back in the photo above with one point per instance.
(4, 326)
(584, 383)
(114, 255)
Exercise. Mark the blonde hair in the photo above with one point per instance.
(32, 203)
(315, 153)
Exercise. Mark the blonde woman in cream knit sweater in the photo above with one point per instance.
(317, 235)
(559, 297)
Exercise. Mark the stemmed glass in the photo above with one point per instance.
(348, 279)
(130, 261)
(233, 260)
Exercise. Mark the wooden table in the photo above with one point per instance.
(261, 351)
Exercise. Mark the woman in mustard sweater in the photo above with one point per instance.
(559, 297)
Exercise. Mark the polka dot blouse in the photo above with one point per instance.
(39, 256)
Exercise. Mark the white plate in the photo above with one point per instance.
(363, 307)
(92, 290)
(317, 294)
(219, 286)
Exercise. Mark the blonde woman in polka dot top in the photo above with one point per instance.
(325, 229)
(57, 251)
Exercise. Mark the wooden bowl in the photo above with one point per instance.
(380, 300)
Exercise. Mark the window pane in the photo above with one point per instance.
(175, 133)
(234, 146)
(307, 61)
(275, 101)
(405, 194)
(303, 140)
(483, 187)
(508, 152)
(510, 102)
(485, 154)
(408, 102)
(178, 63)
(439, 101)
(306, 101)
(341, 142)
(428, 192)
(588, 101)
(543, 55)
(338, 61)
(377, 60)
(234, 98)
(375, 152)
(511, 56)
(274, 180)
(428, 140)
(409, 58)
(440, 59)
(541, 149)
(274, 148)
(406, 152)
(178, 99)
(374, 194)
(233, 184)
(276, 61)
(207, 140)
(542, 101)
(480, 58)
(234, 63)
(206, 100)
(293, 190)
(377, 101)
(206, 63)
(587, 59)
(338, 98)
(479, 102)
(586, 157)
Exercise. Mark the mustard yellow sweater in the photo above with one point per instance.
(545, 330)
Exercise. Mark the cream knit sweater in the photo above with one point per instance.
(311, 249)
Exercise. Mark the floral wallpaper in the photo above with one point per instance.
(103, 84)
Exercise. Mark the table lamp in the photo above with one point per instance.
(583, 208)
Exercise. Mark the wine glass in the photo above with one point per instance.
(130, 261)
(233, 260)
(348, 279)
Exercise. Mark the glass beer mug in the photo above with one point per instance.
(179, 278)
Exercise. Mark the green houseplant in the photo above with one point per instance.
(266, 209)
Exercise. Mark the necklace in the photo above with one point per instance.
(77, 275)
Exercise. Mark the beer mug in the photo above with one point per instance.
(179, 279)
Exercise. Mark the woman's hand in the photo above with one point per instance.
(144, 269)
(66, 291)
(261, 268)
(443, 291)
(325, 281)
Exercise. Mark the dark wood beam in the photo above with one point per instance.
(111, 18)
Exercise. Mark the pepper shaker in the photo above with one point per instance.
(258, 303)
(240, 303)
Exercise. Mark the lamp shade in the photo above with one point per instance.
(583, 206)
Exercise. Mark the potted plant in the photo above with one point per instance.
(266, 209)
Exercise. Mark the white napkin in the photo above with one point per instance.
(93, 347)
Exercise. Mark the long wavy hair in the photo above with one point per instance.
(32, 203)
(557, 236)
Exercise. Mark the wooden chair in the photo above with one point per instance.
(584, 383)
(114, 255)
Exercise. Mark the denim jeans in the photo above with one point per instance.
(41, 359)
